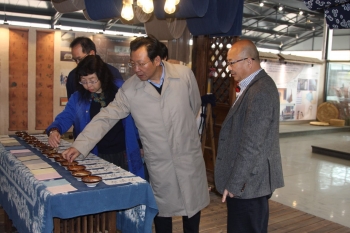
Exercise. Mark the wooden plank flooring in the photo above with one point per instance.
(282, 219)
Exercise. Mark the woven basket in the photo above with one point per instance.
(327, 111)
(337, 122)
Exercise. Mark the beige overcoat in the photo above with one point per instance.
(169, 135)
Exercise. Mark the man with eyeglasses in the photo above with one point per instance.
(248, 165)
(164, 100)
(80, 48)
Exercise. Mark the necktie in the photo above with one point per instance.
(238, 89)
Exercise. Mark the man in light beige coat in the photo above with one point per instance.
(164, 100)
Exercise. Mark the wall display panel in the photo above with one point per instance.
(18, 80)
(338, 88)
(298, 88)
(44, 79)
(116, 52)
(66, 64)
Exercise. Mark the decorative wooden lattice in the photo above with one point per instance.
(217, 55)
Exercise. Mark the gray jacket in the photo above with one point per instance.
(248, 162)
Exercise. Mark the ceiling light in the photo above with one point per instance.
(177, 2)
(261, 4)
(301, 12)
(147, 6)
(140, 3)
(296, 36)
(27, 24)
(169, 6)
(280, 8)
(127, 11)
(313, 28)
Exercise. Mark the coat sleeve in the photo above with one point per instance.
(194, 95)
(102, 123)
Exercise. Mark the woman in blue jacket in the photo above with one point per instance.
(96, 88)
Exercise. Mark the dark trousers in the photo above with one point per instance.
(247, 215)
(165, 225)
(118, 159)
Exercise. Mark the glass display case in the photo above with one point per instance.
(338, 88)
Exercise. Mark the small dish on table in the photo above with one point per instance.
(66, 163)
(59, 160)
(21, 134)
(91, 181)
(76, 167)
(80, 174)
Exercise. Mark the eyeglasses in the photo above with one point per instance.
(77, 60)
(140, 65)
(89, 82)
(230, 63)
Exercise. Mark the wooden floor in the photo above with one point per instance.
(282, 219)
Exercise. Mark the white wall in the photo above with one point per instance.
(4, 80)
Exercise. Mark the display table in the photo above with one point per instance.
(32, 208)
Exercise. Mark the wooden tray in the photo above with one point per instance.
(319, 123)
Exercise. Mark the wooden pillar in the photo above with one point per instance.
(18, 80)
(44, 79)
(199, 62)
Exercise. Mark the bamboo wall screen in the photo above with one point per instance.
(217, 57)
(44, 79)
(18, 80)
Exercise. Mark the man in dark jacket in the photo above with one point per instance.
(248, 164)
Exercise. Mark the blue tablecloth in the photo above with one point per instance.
(32, 208)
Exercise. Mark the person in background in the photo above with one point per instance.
(96, 88)
(248, 165)
(164, 100)
(80, 48)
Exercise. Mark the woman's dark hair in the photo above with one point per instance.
(94, 64)
(153, 46)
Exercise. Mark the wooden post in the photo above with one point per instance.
(56, 225)
(8, 223)
(112, 221)
(209, 131)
